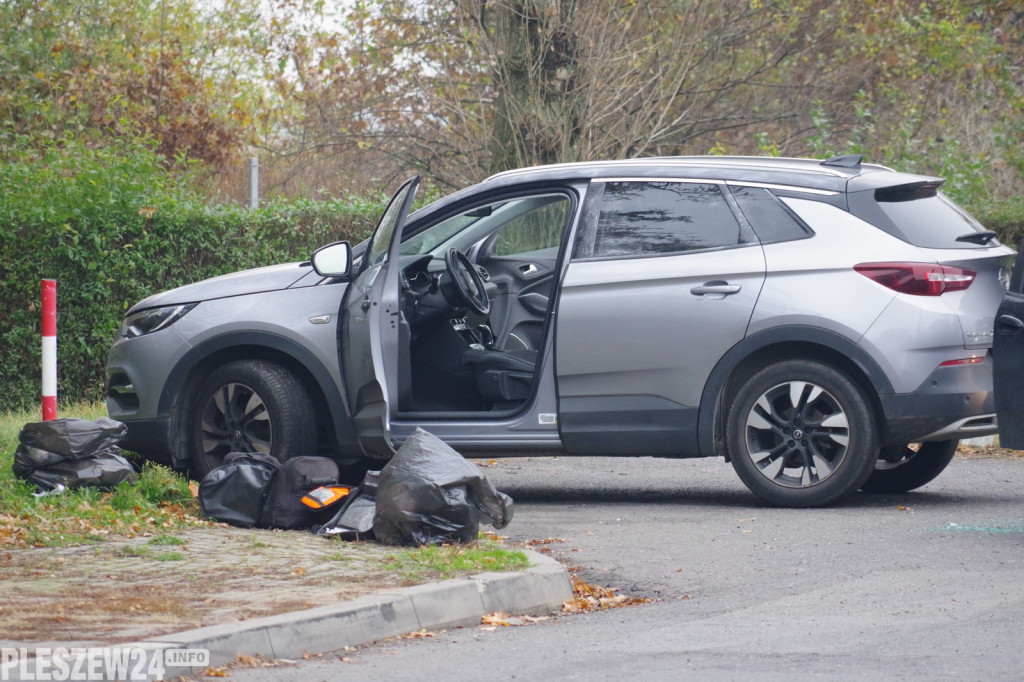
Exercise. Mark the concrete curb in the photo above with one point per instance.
(539, 590)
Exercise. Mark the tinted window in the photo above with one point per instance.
(919, 214)
(654, 218)
(766, 214)
(930, 221)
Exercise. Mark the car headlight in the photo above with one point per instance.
(154, 319)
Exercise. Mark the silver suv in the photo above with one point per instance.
(825, 326)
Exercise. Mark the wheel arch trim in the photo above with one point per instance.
(180, 377)
(710, 416)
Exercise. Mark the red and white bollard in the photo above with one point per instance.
(49, 349)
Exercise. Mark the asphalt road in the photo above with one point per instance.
(922, 586)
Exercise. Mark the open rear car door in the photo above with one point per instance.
(1008, 354)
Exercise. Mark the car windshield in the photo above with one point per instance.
(431, 238)
(533, 222)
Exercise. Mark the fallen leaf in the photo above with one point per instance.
(496, 618)
(419, 634)
(545, 541)
(597, 598)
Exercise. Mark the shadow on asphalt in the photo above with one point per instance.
(740, 499)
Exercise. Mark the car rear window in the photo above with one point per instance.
(920, 215)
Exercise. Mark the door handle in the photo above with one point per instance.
(1008, 324)
(528, 269)
(716, 287)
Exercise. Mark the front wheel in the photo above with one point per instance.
(905, 467)
(801, 433)
(249, 406)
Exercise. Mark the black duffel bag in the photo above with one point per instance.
(236, 491)
(296, 477)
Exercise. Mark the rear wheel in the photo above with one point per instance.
(802, 434)
(905, 467)
(249, 406)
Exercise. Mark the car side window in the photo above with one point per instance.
(771, 220)
(536, 230)
(661, 218)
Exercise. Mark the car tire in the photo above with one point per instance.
(802, 433)
(249, 406)
(901, 468)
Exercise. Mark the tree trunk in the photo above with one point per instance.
(535, 118)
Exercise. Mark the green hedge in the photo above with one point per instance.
(1004, 217)
(113, 226)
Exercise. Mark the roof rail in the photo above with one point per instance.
(845, 161)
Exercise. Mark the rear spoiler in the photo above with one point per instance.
(909, 192)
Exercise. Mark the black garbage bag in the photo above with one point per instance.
(354, 521)
(103, 471)
(73, 453)
(430, 494)
(236, 491)
(73, 438)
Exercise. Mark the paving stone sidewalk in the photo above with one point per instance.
(234, 593)
(133, 589)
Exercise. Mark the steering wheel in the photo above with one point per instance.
(467, 282)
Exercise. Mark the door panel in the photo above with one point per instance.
(1008, 376)
(521, 302)
(636, 340)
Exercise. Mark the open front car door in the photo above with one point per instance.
(371, 321)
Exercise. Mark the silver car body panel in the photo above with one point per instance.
(285, 314)
(634, 327)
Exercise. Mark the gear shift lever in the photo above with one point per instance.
(486, 336)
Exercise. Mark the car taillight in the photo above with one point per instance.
(919, 279)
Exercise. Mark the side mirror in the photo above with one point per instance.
(333, 260)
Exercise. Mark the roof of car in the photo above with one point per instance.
(833, 175)
(797, 177)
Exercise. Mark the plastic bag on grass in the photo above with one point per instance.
(72, 453)
(104, 471)
(430, 494)
(73, 438)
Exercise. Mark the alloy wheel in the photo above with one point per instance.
(797, 434)
(235, 419)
